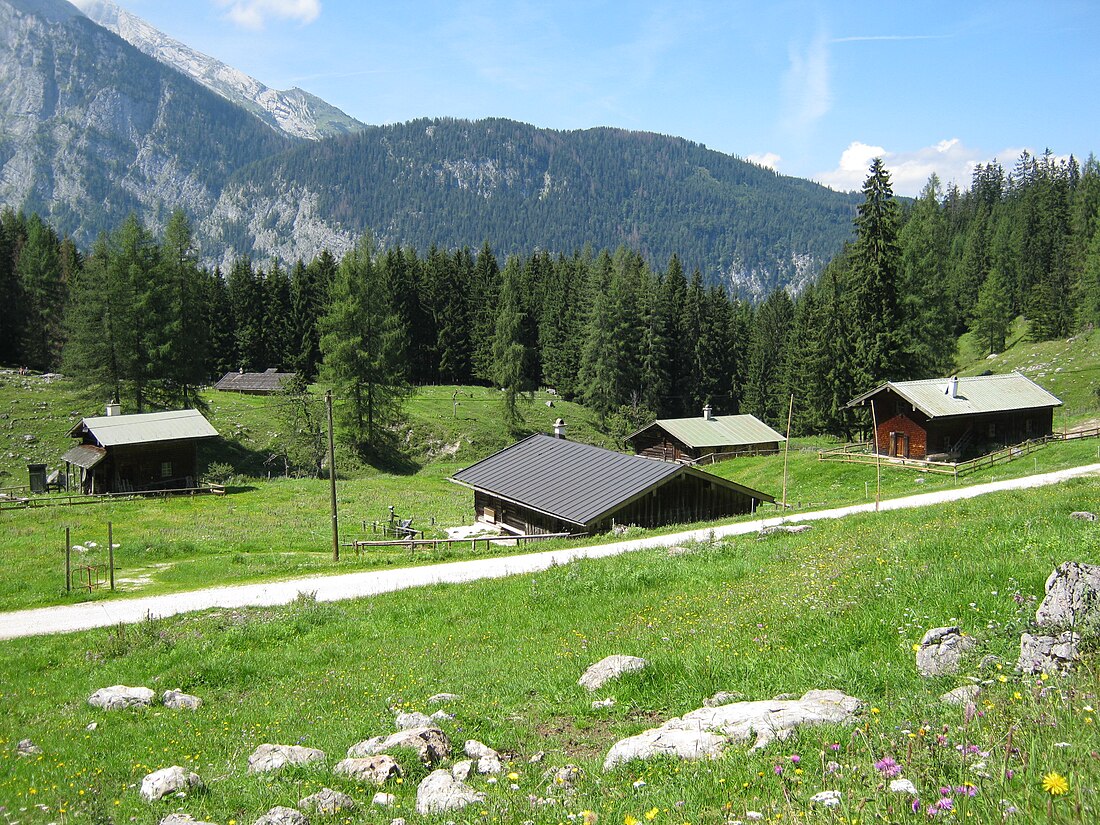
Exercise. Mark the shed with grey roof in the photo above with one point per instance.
(707, 437)
(546, 484)
(950, 418)
(267, 382)
(141, 452)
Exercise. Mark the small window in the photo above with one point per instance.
(166, 469)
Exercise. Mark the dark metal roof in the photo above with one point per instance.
(85, 455)
(269, 381)
(573, 481)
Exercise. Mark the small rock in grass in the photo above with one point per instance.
(608, 668)
(178, 700)
(430, 743)
(27, 748)
(1047, 654)
(119, 697)
(408, 721)
(374, 769)
(327, 801)
(282, 815)
(609, 702)
(159, 784)
(441, 716)
(489, 766)
(476, 750)
(383, 800)
(723, 697)
(565, 777)
(941, 651)
(439, 698)
(461, 770)
(91, 726)
(1083, 515)
(537, 757)
(826, 799)
(268, 757)
(440, 792)
(182, 819)
(903, 786)
(399, 821)
(962, 695)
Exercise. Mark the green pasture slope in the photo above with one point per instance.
(840, 606)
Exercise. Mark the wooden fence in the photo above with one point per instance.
(68, 499)
(411, 544)
(860, 453)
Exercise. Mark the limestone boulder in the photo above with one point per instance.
(408, 721)
(160, 784)
(611, 667)
(441, 792)
(373, 769)
(178, 700)
(269, 757)
(430, 743)
(942, 650)
(962, 695)
(119, 697)
(1048, 654)
(282, 815)
(707, 732)
(327, 801)
(1072, 598)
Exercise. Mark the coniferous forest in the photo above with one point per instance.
(138, 319)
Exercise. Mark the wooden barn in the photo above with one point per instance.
(547, 484)
(268, 382)
(137, 453)
(948, 418)
(690, 439)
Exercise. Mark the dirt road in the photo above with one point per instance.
(69, 618)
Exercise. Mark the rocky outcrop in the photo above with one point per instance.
(119, 697)
(1048, 654)
(1072, 598)
(430, 744)
(942, 650)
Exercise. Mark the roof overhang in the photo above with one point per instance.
(85, 455)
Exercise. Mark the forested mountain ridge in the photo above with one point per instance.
(295, 112)
(454, 183)
(91, 129)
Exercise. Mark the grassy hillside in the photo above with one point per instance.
(838, 607)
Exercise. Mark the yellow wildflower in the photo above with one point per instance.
(1055, 784)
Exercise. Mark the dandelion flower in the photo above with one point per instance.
(1055, 784)
(651, 814)
(630, 820)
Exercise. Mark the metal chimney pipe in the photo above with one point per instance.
(559, 429)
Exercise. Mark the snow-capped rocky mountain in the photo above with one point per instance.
(294, 111)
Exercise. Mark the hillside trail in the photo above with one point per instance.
(70, 618)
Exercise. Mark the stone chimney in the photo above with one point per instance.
(559, 428)
(707, 413)
(952, 388)
(114, 408)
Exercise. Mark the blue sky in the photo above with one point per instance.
(815, 89)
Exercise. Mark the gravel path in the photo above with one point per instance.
(69, 618)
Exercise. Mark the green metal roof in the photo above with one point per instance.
(142, 428)
(718, 430)
(973, 395)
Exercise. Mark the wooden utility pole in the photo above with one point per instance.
(878, 455)
(111, 553)
(787, 449)
(332, 479)
(68, 562)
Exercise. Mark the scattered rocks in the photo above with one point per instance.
(431, 744)
(175, 779)
(27, 748)
(1072, 597)
(327, 801)
(904, 786)
(268, 757)
(707, 731)
(373, 769)
(408, 721)
(182, 819)
(962, 695)
(476, 750)
(461, 770)
(119, 697)
(441, 792)
(826, 799)
(1083, 515)
(281, 815)
(941, 651)
(383, 800)
(178, 700)
(611, 667)
(1047, 654)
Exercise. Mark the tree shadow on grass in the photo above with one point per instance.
(385, 455)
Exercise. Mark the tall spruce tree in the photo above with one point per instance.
(184, 363)
(41, 286)
(874, 261)
(363, 344)
(510, 354)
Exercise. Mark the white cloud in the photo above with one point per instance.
(769, 159)
(909, 171)
(806, 91)
(254, 14)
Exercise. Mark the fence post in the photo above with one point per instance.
(68, 562)
(111, 554)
